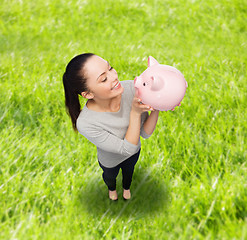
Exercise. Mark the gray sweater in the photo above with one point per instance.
(107, 130)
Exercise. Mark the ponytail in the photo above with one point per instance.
(72, 102)
(74, 82)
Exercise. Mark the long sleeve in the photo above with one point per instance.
(109, 142)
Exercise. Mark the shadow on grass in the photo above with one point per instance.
(149, 193)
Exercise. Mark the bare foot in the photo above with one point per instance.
(113, 195)
(126, 194)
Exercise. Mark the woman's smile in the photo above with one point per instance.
(117, 86)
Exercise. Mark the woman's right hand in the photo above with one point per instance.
(138, 107)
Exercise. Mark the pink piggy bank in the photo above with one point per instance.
(161, 86)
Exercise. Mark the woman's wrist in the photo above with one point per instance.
(151, 122)
(155, 112)
(135, 114)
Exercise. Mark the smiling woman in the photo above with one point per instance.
(113, 119)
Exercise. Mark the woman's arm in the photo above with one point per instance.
(151, 122)
(133, 131)
(107, 141)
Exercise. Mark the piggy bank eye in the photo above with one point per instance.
(144, 84)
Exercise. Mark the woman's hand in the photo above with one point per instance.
(138, 107)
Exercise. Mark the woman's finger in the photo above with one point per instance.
(145, 106)
(136, 99)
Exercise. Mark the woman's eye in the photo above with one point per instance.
(106, 77)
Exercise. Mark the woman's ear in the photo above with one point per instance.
(87, 95)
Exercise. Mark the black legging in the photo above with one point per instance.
(110, 174)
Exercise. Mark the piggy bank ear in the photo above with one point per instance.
(157, 83)
(152, 61)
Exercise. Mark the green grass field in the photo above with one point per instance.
(191, 179)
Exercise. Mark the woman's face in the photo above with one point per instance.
(102, 79)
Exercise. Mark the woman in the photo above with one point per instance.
(112, 118)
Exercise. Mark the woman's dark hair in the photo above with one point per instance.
(74, 82)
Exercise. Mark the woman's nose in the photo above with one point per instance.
(113, 74)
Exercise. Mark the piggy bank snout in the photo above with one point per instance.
(137, 82)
